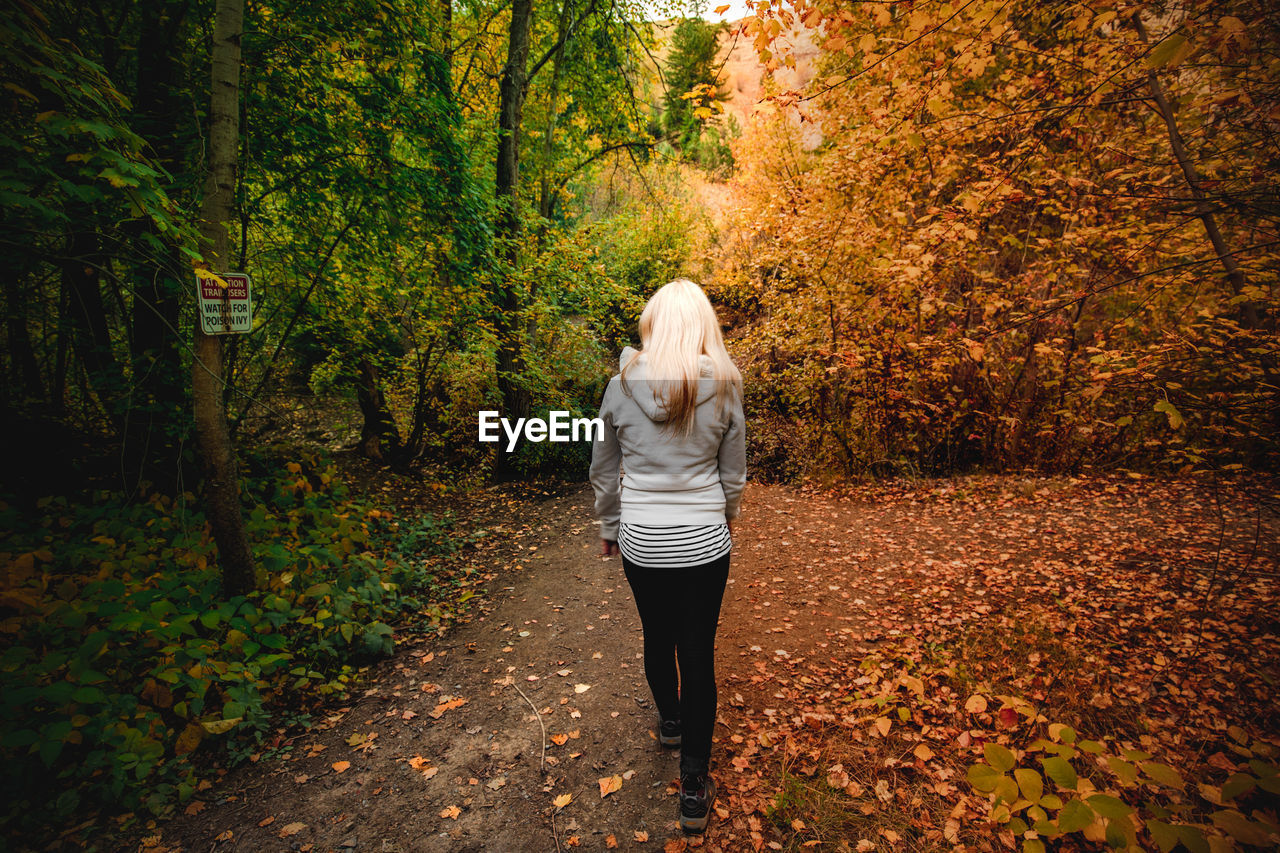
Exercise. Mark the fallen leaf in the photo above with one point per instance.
(225, 835)
(266, 820)
(559, 740)
(837, 777)
(922, 752)
(292, 829)
(496, 783)
(562, 800)
(452, 812)
(977, 704)
(609, 785)
(641, 836)
(448, 705)
(581, 688)
(611, 841)
(341, 766)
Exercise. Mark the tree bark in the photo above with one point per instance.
(510, 304)
(378, 421)
(221, 474)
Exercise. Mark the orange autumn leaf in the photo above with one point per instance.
(641, 836)
(559, 740)
(438, 711)
(341, 766)
(609, 785)
(562, 800)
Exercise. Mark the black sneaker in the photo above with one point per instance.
(669, 733)
(697, 794)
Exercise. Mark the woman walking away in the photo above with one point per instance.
(673, 422)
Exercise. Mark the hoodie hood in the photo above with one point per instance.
(643, 391)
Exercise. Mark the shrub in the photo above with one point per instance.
(121, 657)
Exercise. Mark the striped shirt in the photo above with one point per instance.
(682, 546)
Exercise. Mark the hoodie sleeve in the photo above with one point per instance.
(733, 462)
(606, 459)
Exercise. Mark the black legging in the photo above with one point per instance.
(679, 610)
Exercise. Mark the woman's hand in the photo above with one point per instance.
(608, 548)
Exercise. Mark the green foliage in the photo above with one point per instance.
(65, 141)
(122, 656)
(1061, 785)
(693, 92)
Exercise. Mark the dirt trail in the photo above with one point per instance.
(446, 754)
(564, 629)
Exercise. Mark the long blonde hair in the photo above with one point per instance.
(677, 326)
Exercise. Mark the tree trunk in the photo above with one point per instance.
(25, 378)
(510, 304)
(377, 419)
(1248, 311)
(58, 394)
(91, 336)
(221, 474)
(545, 198)
(151, 443)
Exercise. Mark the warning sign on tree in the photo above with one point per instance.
(226, 306)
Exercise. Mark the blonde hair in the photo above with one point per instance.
(677, 326)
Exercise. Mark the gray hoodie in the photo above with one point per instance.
(670, 478)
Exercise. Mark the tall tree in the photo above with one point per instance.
(511, 94)
(221, 474)
(691, 68)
